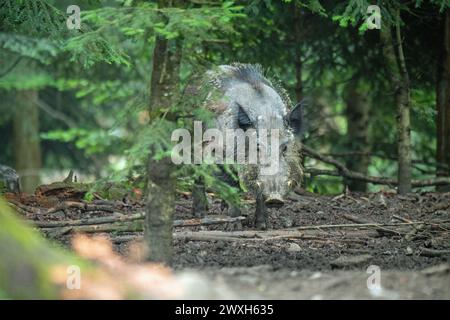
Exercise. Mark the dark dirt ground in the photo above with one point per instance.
(328, 263)
(332, 266)
(388, 252)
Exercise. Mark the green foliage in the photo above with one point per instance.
(21, 81)
(88, 49)
(40, 49)
(23, 20)
(155, 137)
(32, 17)
(88, 140)
(312, 5)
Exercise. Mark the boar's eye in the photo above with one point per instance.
(244, 121)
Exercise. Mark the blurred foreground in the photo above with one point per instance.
(352, 246)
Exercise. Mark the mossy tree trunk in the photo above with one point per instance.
(164, 93)
(357, 114)
(395, 63)
(298, 39)
(27, 145)
(443, 104)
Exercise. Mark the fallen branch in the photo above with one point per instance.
(90, 221)
(349, 174)
(401, 218)
(206, 221)
(370, 225)
(358, 220)
(132, 223)
(18, 209)
(80, 205)
(137, 225)
(239, 236)
(128, 226)
(258, 236)
(433, 252)
(126, 238)
(349, 225)
(24, 208)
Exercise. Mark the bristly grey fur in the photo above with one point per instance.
(252, 74)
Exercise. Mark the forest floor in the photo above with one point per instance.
(317, 247)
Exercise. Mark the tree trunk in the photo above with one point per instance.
(443, 104)
(27, 146)
(298, 57)
(400, 81)
(357, 113)
(164, 93)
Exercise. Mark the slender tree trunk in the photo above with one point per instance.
(395, 62)
(298, 56)
(27, 145)
(443, 104)
(357, 113)
(164, 93)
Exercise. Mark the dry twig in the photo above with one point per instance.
(345, 172)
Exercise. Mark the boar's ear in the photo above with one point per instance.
(296, 119)
(244, 121)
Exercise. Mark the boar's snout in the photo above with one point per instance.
(274, 202)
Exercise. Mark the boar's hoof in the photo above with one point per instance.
(261, 225)
(234, 211)
(199, 210)
(230, 210)
(199, 206)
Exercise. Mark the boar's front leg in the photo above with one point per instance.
(261, 217)
(232, 210)
(199, 200)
